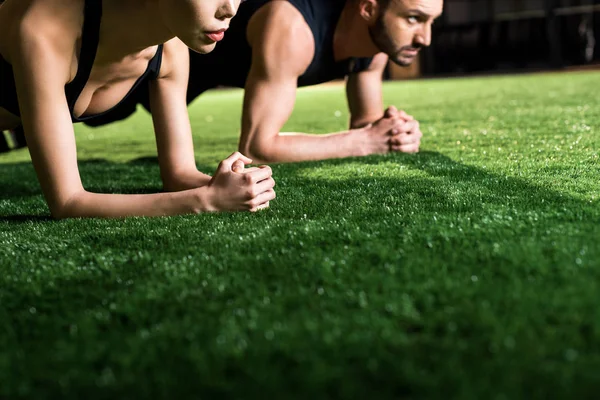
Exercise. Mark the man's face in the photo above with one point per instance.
(403, 27)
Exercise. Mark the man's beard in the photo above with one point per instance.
(383, 40)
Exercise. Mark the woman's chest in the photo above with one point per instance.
(111, 82)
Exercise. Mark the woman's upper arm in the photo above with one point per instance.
(169, 112)
(42, 66)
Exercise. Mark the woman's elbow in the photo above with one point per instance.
(66, 208)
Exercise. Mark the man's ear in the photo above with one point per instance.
(368, 10)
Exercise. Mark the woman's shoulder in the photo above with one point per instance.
(175, 56)
(51, 24)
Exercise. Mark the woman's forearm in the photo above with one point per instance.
(88, 205)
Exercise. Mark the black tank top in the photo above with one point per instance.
(89, 45)
(229, 64)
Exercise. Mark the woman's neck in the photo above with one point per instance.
(130, 26)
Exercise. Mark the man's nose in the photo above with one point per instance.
(423, 37)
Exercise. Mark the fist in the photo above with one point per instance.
(405, 137)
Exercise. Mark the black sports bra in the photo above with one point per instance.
(90, 39)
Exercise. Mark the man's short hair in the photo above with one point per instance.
(384, 4)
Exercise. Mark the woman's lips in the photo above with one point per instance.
(216, 36)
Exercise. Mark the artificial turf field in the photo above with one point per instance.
(470, 270)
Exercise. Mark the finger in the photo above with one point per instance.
(263, 206)
(410, 126)
(402, 114)
(261, 199)
(404, 139)
(265, 185)
(238, 166)
(398, 127)
(409, 148)
(250, 169)
(247, 170)
(391, 112)
(228, 162)
(261, 174)
(406, 127)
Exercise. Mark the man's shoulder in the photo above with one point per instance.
(279, 31)
(280, 16)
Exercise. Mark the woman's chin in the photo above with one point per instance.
(203, 48)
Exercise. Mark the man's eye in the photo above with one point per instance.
(413, 20)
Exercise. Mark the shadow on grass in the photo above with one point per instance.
(80, 296)
(150, 161)
(447, 185)
(19, 181)
(22, 219)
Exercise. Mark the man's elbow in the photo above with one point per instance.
(260, 151)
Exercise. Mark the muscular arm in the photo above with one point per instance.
(280, 38)
(365, 95)
(171, 121)
(365, 101)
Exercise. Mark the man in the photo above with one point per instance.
(274, 46)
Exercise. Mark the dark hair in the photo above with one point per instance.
(384, 4)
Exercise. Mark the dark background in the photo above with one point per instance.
(479, 36)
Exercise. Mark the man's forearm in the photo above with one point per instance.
(295, 147)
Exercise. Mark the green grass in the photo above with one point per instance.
(469, 270)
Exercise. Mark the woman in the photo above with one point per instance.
(65, 61)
